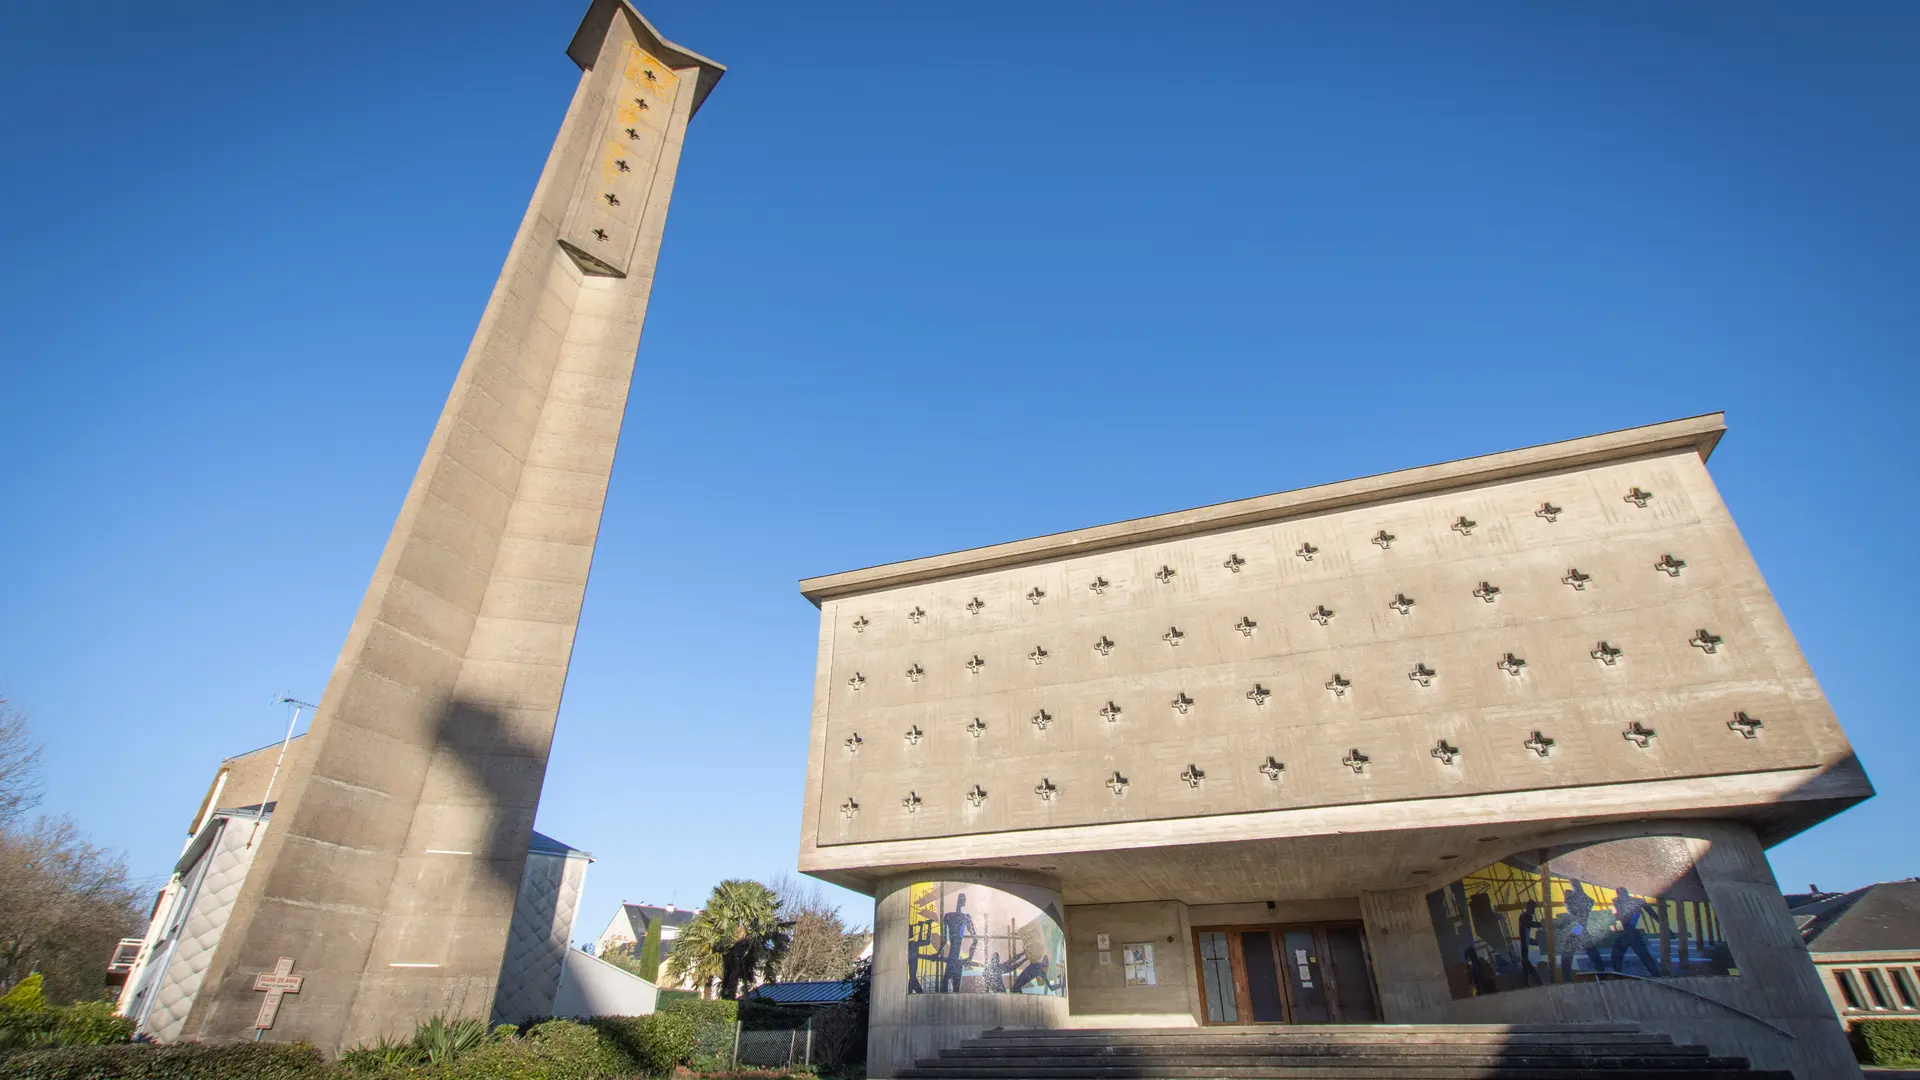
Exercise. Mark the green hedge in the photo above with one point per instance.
(605, 1048)
(251, 1061)
(712, 1026)
(1887, 1042)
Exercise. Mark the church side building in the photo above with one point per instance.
(1497, 740)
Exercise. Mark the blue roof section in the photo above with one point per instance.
(805, 993)
(542, 844)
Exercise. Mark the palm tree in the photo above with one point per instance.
(736, 937)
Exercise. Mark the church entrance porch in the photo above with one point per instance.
(1306, 973)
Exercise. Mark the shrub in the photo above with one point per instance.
(1887, 1042)
(189, 1061)
(92, 1023)
(654, 1044)
(27, 995)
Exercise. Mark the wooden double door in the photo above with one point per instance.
(1305, 973)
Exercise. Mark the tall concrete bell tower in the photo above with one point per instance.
(389, 871)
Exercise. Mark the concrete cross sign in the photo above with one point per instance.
(277, 983)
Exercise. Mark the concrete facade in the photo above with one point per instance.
(389, 877)
(1321, 706)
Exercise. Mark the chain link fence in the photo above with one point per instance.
(772, 1049)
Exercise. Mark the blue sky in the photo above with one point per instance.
(936, 276)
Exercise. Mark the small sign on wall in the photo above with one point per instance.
(1103, 942)
(1138, 959)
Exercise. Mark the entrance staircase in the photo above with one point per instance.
(1335, 1052)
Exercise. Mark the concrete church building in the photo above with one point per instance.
(1502, 740)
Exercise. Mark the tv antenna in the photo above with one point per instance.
(292, 722)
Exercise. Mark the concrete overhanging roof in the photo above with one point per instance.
(585, 47)
(1699, 433)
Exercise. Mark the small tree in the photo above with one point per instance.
(738, 936)
(650, 952)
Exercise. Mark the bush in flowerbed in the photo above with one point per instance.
(1887, 1042)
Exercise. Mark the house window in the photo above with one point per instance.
(1903, 988)
(1876, 988)
(1848, 992)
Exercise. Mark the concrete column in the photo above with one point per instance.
(401, 836)
(905, 1025)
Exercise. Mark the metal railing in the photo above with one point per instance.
(1696, 994)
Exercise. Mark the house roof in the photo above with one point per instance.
(805, 993)
(641, 915)
(1879, 918)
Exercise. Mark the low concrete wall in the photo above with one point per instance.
(589, 986)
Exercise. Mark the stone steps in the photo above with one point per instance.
(1334, 1052)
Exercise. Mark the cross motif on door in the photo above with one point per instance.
(853, 743)
(1035, 595)
(911, 802)
(857, 681)
(1038, 656)
(277, 983)
(914, 673)
(860, 625)
(1098, 585)
(848, 809)
(1539, 744)
(916, 615)
(1746, 725)
(1639, 735)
